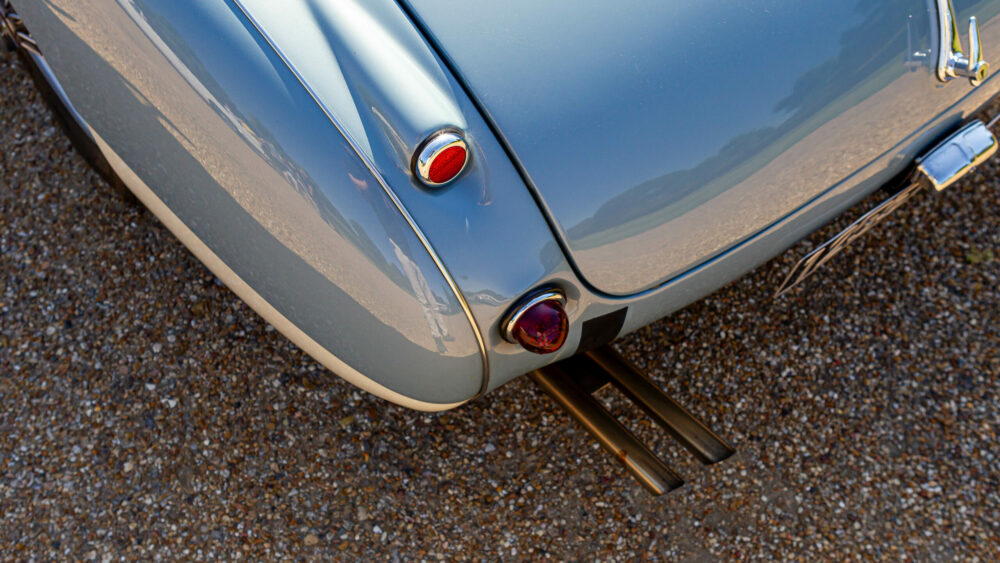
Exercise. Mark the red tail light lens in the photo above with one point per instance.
(441, 157)
(542, 329)
(447, 165)
(540, 325)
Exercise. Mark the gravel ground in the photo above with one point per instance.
(145, 412)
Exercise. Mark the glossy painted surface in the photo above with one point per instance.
(275, 161)
(207, 115)
(485, 225)
(660, 134)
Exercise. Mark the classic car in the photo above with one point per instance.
(432, 199)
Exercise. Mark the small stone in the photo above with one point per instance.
(310, 540)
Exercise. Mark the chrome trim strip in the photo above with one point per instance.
(388, 191)
(510, 319)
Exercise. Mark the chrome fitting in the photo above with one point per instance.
(510, 320)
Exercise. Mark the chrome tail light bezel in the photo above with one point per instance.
(435, 145)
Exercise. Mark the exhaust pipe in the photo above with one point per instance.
(684, 427)
(572, 383)
(615, 438)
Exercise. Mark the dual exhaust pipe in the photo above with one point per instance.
(573, 382)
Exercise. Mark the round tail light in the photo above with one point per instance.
(441, 158)
(540, 324)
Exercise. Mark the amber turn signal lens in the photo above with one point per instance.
(542, 327)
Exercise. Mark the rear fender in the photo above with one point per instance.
(209, 126)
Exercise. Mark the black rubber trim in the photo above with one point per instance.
(601, 330)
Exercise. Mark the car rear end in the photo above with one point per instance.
(627, 159)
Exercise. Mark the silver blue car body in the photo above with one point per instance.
(635, 155)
